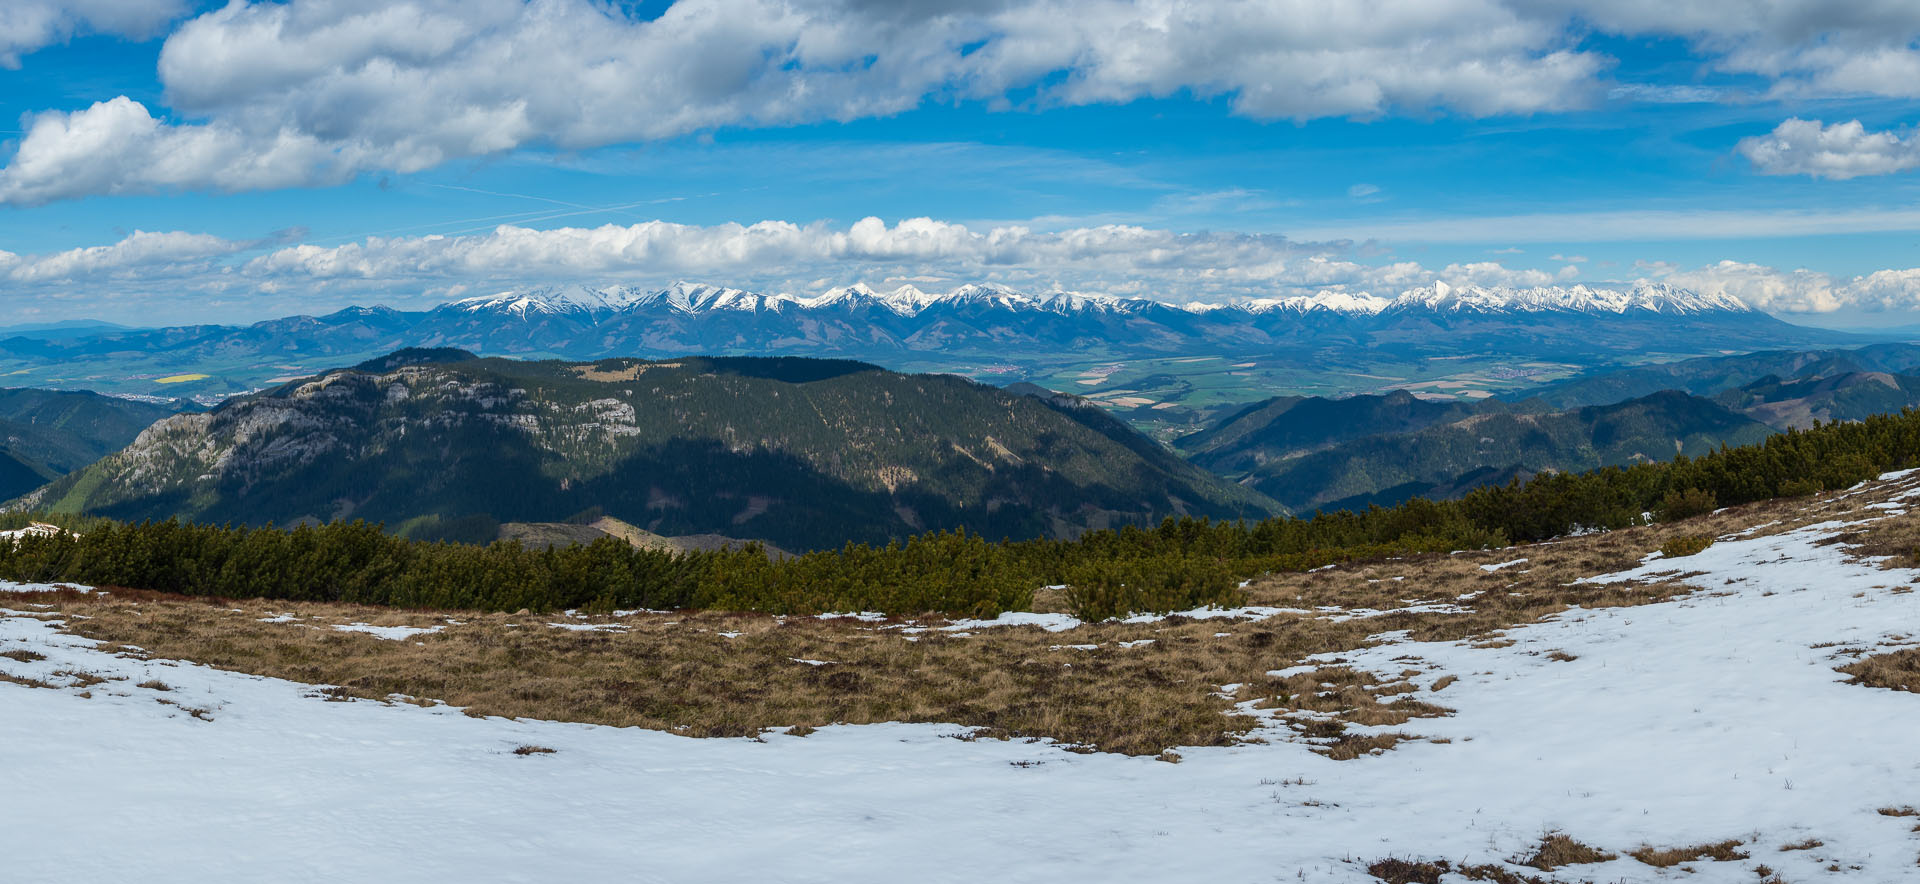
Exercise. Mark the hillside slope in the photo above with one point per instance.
(1445, 459)
(48, 433)
(1711, 375)
(1289, 426)
(804, 453)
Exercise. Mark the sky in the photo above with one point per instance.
(169, 161)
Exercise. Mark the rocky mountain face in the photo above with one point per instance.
(800, 452)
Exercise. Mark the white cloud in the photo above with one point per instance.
(1659, 93)
(1840, 151)
(117, 147)
(310, 92)
(141, 254)
(307, 91)
(783, 256)
(1804, 48)
(26, 25)
(770, 255)
(780, 250)
(1799, 290)
(181, 274)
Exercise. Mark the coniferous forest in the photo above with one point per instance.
(1179, 564)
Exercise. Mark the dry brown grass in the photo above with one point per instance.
(678, 672)
(1662, 858)
(25, 681)
(1558, 850)
(22, 655)
(1895, 670)
(1400, 871)
(1805, 844)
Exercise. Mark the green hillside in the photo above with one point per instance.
(1289, 426)
(1447, 459)
(49, 433)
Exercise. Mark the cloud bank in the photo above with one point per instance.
(178, 268)
(311, 92)
(27, 25)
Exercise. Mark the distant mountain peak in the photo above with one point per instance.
(907, 300)
(1579, 298)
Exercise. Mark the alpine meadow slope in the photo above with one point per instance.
(799, 452)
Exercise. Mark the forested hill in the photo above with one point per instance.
(1289, 426)
(48, 433)
(804, 453)
(1447, 459)
(1708, 376)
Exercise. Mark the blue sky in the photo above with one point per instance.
(177, 162)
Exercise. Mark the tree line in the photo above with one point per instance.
(1178, 564)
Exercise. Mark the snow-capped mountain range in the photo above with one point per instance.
(976, 327)
(908, 301)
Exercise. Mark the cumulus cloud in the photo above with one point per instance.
(779, 249)
(769, 255)
(1840, 151)
(26, 25)
(779, 255)
(117, 147)
(177, 267)
(141, 254)
(308, 91)
(1803, 48)
(1799, 290)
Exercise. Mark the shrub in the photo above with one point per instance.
(1098, 590)
(1686, 504)
(1682, 545)
(1799, 487)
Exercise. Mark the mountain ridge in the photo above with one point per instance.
(804, 453)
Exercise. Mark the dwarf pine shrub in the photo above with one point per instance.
(1681, 545)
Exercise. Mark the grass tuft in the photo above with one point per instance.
(1558, 850)
(1662, 858)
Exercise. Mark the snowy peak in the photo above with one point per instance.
(692, 298)
(567, 300)
(1361, 304)
(1646, 297)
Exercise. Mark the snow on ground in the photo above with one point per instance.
(1713, 716)
(390, 633)
(33, 529)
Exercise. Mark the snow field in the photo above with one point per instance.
(1713, 716)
